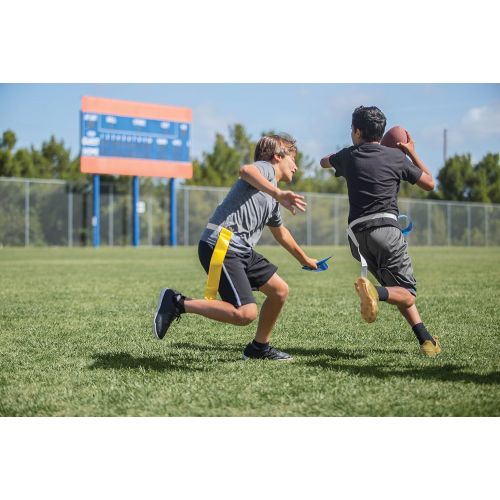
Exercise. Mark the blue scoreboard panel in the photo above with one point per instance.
(108, 135)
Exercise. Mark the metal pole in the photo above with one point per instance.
(429, 223)
(468, 226)
(70, 216)
(409, 219)
(186, 215)
(96, 218)
(449, 223)
(336, 218)
(111, 228)
(26, 213)
(173, 214)
(150, 221)
(486, 226)
(135, 213)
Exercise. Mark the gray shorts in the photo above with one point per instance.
(385, 251)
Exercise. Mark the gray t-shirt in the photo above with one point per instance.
(245, 211)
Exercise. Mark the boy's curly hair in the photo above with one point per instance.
(371, 121)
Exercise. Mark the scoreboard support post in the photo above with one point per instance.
(96, 211)
(173, 214)
(136, 230)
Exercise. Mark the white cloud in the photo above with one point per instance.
(483, 120)
(475, 132)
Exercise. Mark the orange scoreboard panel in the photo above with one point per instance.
(132, 138)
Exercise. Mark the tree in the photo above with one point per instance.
(24, 162)
(53, 161)
(242, 143)
(218, 168)
(456, 178)
(56, 158)
(7, 144)
(9, 140)
(486, 182)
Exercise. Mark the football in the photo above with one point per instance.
(393, 136)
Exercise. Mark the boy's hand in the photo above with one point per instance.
(312, 263)
(407, 147)
(291, 201)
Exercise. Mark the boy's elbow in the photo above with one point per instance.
(325, 162)
(430, 184)
(427, 187)
(426, 182)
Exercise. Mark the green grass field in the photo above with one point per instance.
(75, 339)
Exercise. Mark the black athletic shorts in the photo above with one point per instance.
(241, 273)
(386, 253)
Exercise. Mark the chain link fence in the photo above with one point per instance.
(38, 212)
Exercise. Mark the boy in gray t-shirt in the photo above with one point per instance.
(226, 251)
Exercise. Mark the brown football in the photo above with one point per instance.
(393, 136)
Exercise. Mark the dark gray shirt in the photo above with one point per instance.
(245, 211)
(373, 173)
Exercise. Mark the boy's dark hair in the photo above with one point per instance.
(371, 121)
(270, 145)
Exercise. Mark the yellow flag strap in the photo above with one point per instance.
(216, 262)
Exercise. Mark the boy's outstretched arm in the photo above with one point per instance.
(283, 236)
(289, 199)
(426, 181)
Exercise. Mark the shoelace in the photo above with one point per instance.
(271, 352)
(177, 314)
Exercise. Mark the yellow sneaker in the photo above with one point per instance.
(369, 299)
(429, 349)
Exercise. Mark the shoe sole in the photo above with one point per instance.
(369, 304)
(246, 358)
(429, 354)
(162, 294)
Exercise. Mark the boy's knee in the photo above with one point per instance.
(410, 300)
(281, 292)
(246, 314)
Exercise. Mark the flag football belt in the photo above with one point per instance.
(350, 233)
(217, 260)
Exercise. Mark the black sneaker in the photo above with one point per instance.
(166, 312)
(251, 352)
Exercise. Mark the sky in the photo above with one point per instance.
(317, 115)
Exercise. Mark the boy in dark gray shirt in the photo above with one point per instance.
(373, 173)
(226, 251)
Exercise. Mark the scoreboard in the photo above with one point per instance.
(131, 138)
